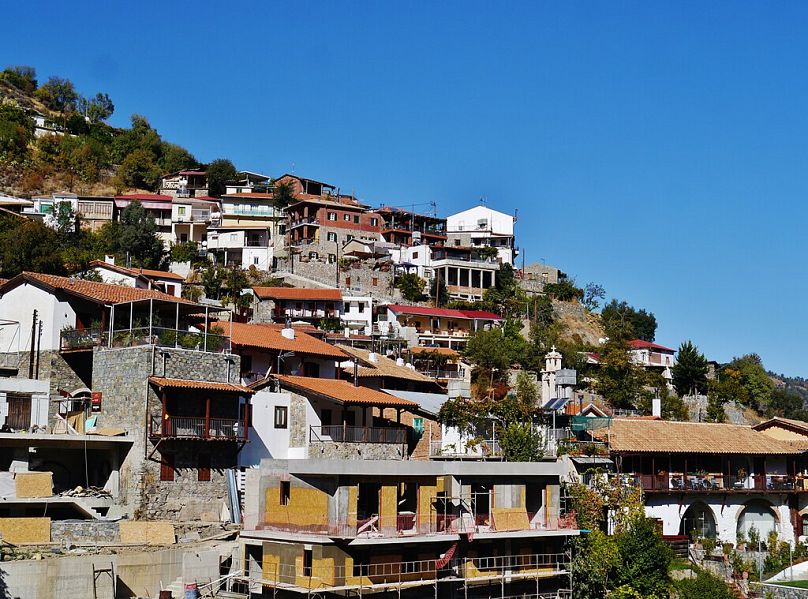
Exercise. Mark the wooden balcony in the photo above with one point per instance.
(201, 428)
(342, 433)
(716, 483)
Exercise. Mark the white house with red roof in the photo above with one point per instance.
(189, 183)
(654, 356)
(140, 278)
(437, 327)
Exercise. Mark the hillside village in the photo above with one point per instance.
(266, 386)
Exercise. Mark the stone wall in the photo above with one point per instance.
(121, 374)
(776, 592)
(357, 451)
(81, 532)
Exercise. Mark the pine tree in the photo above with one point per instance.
(690, 370)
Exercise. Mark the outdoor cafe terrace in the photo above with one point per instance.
(671, 457)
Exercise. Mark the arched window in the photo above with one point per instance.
(698, 522)
(759, 514)
(805, 526)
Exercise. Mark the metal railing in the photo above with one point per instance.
(73, 339)
(442, 374)
(306, 220)
(486, 448)
(167, 337)
(191, 427)
(363, 574)
(342, 433)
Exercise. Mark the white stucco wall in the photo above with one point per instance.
(39, 398)
(266, 441)
(19, 305)
(725, 509)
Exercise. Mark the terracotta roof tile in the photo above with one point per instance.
(268, 336)
(383, 367)
(134, 272)
(443, 312)
(344, 392)
(297, 293)
(640, 344)
(103, 293)
(443, 351)
(631, 435)
(167, 383)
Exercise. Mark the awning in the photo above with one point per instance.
(166, 383)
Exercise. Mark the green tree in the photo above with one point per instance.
(184, 252)
(16, 131)
(593, 294)
(139, 170)
(138, 237)
(704, 585)
(140, 136)
(619, 380)
(690, 370)
(212, 280)
(22, 77)
(58, 94)
(564, 291)
(32, 246)
(411, 286)
(621, 321)
(219, 172)
(96, 109)
(645, 559)
(283, 194)
(520, 442)
(786, 404)
(175, 158)
(595, 560)
(438, 292)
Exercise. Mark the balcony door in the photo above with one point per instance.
(19, 411)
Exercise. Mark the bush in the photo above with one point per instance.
(704, 586)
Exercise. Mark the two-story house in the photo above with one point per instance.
(405, 228)
(712, 480)
(248, 231)
(187, 183)
(438, 327)
(482, 226)
(277, 304)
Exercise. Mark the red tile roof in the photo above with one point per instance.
(344, 392)
(150, 197)
(166, 383)
(134, 272)
(268, 336)
(297, 293)
(256, 195)
(640, 344)
(443, 312)
(102, 293)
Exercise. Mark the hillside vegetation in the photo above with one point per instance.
(78, 151)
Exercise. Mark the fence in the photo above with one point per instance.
(339, 433)
(191, 427)
(83, 339)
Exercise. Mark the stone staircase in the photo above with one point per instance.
(177, 588)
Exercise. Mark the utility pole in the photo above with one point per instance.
(38, 349)
(33, 347)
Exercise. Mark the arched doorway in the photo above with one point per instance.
(757, 513)
(698, 522)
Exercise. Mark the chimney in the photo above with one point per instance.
(399, 361)
(288, 332)
(373, 357)
(656, 407)
(109, 259)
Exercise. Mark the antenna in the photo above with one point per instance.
(516, 215)
(483, 200)
(434, 206)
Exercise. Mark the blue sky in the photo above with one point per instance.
(658, 148)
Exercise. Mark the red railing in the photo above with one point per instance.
(706, 483)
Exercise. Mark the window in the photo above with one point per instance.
(203, 467)
(281, 416)
(346, 218)
(331, 237)
(286, 491)
(313, 255)
(167, 467)
(311, 369)
(414, 255)
(374, 281)
(356, 219)
(349, 238)
(457, 242)
(170, 291)
(805, 526)
(361, 307)
(255, 260)
(183, 237)
(246, 363)
(325, 417)
(374, 222)
(181, 210)
(332, 216)
(418, 426)
(347, 281)
(332, 258)
(307, 559)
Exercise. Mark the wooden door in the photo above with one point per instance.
(19, 411)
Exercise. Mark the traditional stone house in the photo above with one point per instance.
(278, 304)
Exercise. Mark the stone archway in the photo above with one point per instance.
(698, 521)
(760, 514)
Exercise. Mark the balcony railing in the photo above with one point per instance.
(77, 339)
(706, 483)
(462, 520)
(340, 433)
(189, 427)
(306, 220)
(442, 374)
(488, 448)
(267, 211)
(85, 339)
